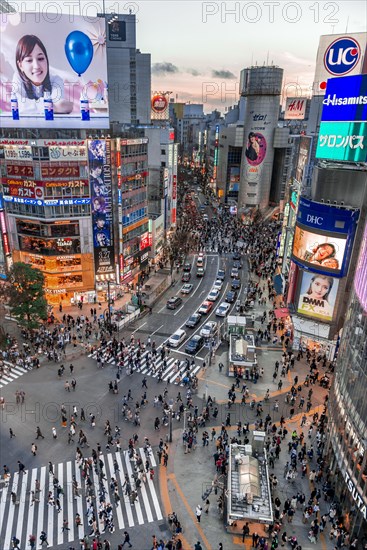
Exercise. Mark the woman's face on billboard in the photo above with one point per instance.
(324, 251)
(319, 287)
(35, 66)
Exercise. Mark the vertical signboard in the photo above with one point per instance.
(99, 156)
(360, 279)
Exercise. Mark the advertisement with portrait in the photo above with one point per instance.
(53, 75)
(99, 155)
(360, 279)
(319, 252)
(303, 157)
(323, 237)
(317, 295)
(338, 55)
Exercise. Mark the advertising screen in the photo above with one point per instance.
(317, 296)
(345, 99)
(159, 106)
(338, 55)
(319, 252)
(101, 200)
(303, 157)
(234, 179)
(360, 279)
(53, 75)
(295, 108)
(342, 141)
(323, 237)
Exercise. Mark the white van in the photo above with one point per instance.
(177, 338)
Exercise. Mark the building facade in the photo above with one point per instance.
(348, 407)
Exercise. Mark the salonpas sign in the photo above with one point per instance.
(342, 141)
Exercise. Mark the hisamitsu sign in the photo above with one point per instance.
(345, 99)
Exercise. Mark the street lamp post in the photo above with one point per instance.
(170, 403)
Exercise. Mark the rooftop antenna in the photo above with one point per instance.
(332, 29)
(267, 58)
(346, 28)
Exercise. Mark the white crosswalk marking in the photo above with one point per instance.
(22, 519)
(14, 373)
(170, 373)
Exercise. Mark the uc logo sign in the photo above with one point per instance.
(342, 56)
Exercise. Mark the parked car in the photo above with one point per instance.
(218, 284)
(193, 320)
(194, 344)
(187, 288)
(174, 302)
(213, 295)
(186, 276)
(177, 338)
(234, 273)
(209, 329)
(221, 274)
(237, 264)
(205, 307)
(200, 272)
(236, 284)
(223, 309)
(231, 296)
(187, 267)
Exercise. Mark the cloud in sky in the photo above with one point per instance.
(193, 72)
(164, 68)
(222, 74)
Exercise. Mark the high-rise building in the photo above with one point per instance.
(261, 86)
(347, 425)
(129, 72)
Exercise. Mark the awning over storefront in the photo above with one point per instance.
(281, 312)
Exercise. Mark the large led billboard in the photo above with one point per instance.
(342, 141)
(317, 296)
(53, 74)
(323, 237)
(345, 99)
(360, 279)
(303, 157)
(101, 200)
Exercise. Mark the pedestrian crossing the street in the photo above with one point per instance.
(12, 373)
(24, 517)
(173, 373)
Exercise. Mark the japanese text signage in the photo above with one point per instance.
(345, 99)
(99, 154)
(342, 141)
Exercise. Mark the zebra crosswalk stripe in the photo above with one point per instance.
(24, 519)
(169, 374)
(13, 374)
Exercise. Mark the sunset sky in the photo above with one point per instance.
(198, 46)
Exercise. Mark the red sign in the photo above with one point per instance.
(20, 170)
(59, 171)
(159, 103)
(121, 263)
(174, 188)
(144, 241)
(173, 215)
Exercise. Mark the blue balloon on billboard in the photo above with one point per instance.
(79, 51)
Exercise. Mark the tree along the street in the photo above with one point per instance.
(25, 295)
